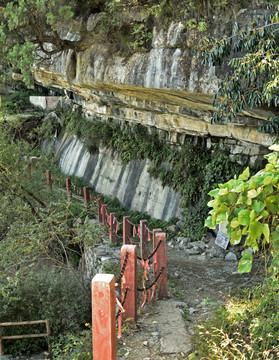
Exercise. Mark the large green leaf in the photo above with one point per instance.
(245, 175)
(245, 263)
(272, 204)
(272, 158)
(234, 223)
(266, 232)
(244, 217)
(258, 206)
(236, 237)
(214, 192)
(255, 230)
(208, 223)
(268, 180)
(268, 190)
(221, 217)
(223, 191)
(252, 194)
(231, 198)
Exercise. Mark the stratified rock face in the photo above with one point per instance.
(131, 183)
(167, 89)
(170, 64)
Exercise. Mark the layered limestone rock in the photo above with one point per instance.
(131, 183)
(166, 88)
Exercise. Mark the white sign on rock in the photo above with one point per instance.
(222, 239)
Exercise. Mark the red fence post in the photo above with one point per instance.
(126, 230)
(69, 187)
(143, 239)
(129, 280)
(86, 195)
(161, 262)
(100, 203)
(48, 179)
(104, 211)
(154, 247)
(112, 228)
(103, 317)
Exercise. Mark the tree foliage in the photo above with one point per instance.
(37, 224)
(31, 29)
(254, 78)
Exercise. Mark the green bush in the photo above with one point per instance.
(245, 328)
(38, 295)
(73, 347)
(18, 101)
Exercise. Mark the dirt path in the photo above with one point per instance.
(195, 283)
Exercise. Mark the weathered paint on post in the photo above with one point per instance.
(104, 211)
(103, 317)
(100, 203)
(86, 195)
(144, 252)
(154, 246)
(112, 228)
(48, 179)
(126, 230)
(161, 262)
(69, 187)
(129, 280)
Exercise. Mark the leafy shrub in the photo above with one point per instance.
(245, 328)
(18, 101)
(250, 205)
(38, 295)
(73, 347)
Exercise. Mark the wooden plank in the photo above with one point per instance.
(24, 323)
(103, 317)
(24, 336)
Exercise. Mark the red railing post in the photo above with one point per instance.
(48, 179)
(126, 230)
(103, 317)
(86, 195)
(100, 203)
(161, 263)
(112, 228)
(129, 281)
(104, 211)
(69, 187)
(154, 247)
(143, 239)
